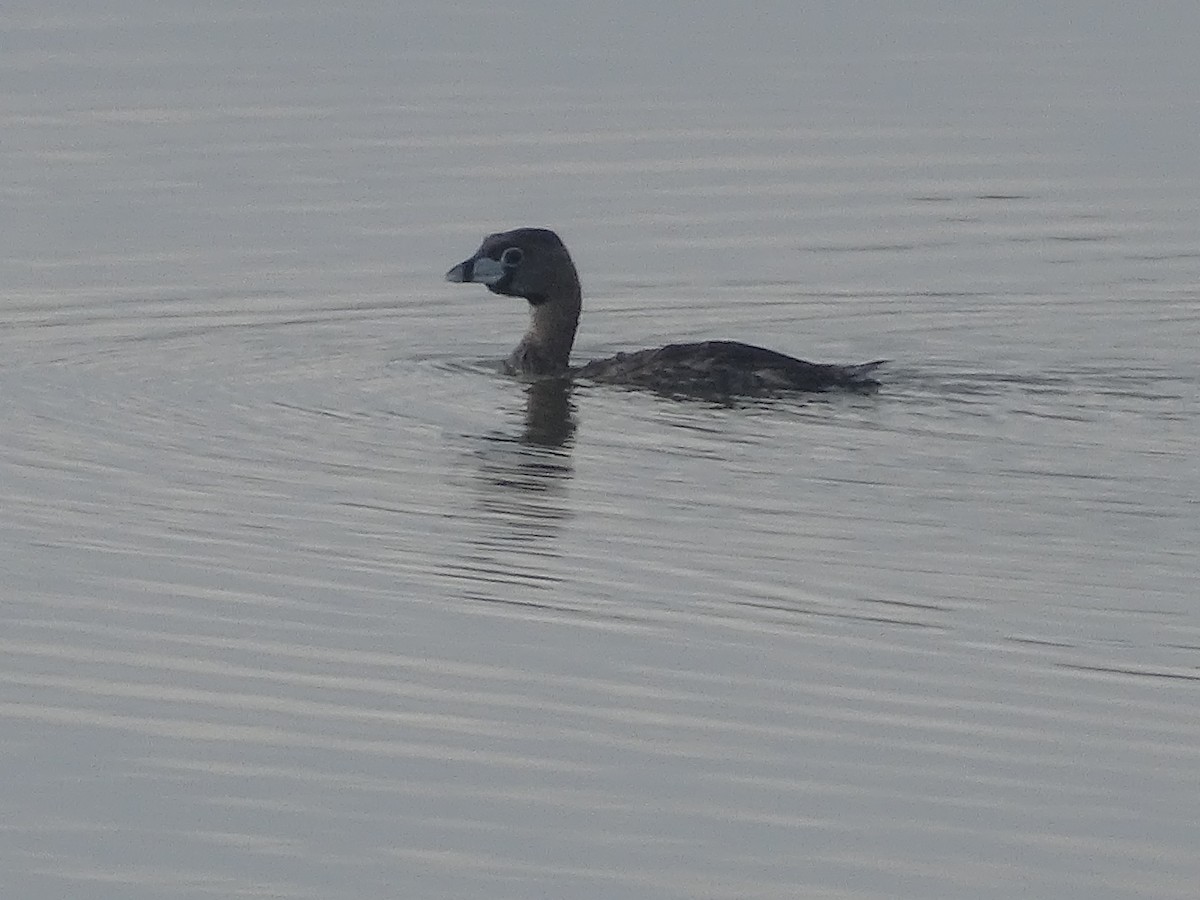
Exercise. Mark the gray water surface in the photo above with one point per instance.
(303, 598)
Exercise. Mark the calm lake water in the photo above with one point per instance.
(302, 598)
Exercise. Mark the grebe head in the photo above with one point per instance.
(531, 263)
(527, 262)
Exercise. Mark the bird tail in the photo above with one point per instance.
(862, 374)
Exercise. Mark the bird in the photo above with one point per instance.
(534, 264)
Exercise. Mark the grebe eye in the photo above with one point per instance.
(511, 258)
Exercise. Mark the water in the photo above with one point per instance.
(302, 598)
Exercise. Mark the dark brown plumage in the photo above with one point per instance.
(534, 263)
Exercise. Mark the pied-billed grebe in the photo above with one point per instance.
(533, 263)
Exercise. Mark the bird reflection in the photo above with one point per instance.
(523, 476)
(520, 489)
(549, 413)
